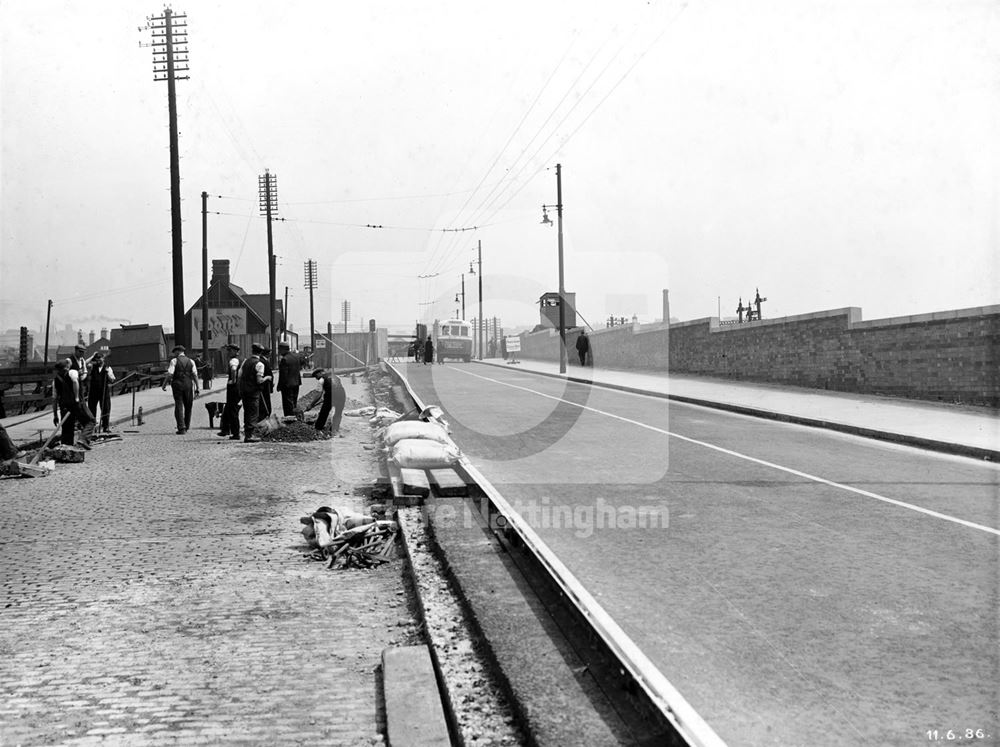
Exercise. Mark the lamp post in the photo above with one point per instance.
(562, 290)
(462, 315)
(479, 263)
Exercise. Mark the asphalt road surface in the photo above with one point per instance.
(798, 586)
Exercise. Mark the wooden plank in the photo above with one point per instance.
(448, 483)
(415, 482)
(399, 495)
(414, 713)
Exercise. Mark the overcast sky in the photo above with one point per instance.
(834, 153)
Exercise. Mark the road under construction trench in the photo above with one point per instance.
(796, 586)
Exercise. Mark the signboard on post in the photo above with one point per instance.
(320, 343)
(513, 348)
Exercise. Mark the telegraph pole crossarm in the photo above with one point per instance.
(170, 57)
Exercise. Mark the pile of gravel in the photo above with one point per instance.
(295, 432)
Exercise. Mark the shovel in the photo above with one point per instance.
(46, 445)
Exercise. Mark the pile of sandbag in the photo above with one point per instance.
(347, 538)
(422, 443)
(416, 444)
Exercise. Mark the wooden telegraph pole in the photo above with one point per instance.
(311, 282)
(170, 57)
(267, 192)
(204, 278)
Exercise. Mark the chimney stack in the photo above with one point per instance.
(104, 333)
(91, 337)
(220, 270)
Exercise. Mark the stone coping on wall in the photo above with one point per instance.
(851, 313)
(932, 317)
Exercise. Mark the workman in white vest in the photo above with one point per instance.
(183, 379)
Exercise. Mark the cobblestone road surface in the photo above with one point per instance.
(157, 594)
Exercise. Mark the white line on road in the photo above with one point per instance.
(747, 457)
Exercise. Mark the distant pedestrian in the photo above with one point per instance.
(206, 371)
(583, 347)
(334, 396)
(230, 425)
(183, 379)
(503, 348)
(68, 403)
(289, 378)
(428, 351)
(250, 381)
(101, 377)
(493, 348)
(268, 386)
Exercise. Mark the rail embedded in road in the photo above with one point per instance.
(665, 700)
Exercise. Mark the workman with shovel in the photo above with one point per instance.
(333, 396)
(67, 403)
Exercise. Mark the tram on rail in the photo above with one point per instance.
(454, 340)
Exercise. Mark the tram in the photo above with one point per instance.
(454, 340)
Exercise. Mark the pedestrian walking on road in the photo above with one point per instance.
(101, 377)
(183, 379)
(289, 378)
(583, 347)
(250, 381)
(206, 372)
(230, 425)
(334, 396)
(503, 348)
(428, 351)
(68, 404)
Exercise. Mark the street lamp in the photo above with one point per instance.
(479, 263)
(562, 290)
(462, 316)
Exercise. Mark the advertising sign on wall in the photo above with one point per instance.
(222, 323)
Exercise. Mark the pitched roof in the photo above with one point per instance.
(223, 290)
(137, 334)
(257, 302)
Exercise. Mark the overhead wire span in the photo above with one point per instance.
(490, 198)
(597, 106)
(510, 138)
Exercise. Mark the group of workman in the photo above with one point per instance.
(249, 383)
(82, 388)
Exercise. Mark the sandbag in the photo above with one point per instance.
(415, 429)
(418, 453)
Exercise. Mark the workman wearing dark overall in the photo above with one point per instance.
(230, 425)
(250, 381)
(67, 404)
(101, 378)
(289, 378)
(183, 379)
(333, 396)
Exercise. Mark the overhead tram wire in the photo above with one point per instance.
(487, 205)
(514, 133)
(378, 226)
(565, 140)
(490, 199)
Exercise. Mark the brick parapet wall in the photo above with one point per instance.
(949, 356)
